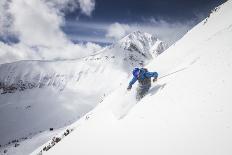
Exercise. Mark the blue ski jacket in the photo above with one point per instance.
(144, 74)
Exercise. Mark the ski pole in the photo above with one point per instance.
(172, 73)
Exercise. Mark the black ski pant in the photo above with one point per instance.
(142, 90)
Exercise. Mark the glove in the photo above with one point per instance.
(129, 87)
(155, 79)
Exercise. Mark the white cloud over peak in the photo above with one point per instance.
(105, 32)
(117, 30)
(166, 31)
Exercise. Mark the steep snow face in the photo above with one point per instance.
(187, 112)
(38, 95)
(158, 48)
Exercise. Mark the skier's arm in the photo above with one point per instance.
(132, 82)
(151, 74)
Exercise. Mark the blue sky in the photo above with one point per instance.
(68, 29)
(99, 21)
(179, 15)
(136, 10)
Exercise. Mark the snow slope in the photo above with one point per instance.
(136, 49)
(38, 95)
(187, 112)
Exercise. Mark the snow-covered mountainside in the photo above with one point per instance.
(187, 112)
(136, 49)
(38, 95)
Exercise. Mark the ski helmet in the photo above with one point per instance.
(136, 72)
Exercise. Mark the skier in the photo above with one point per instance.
(144, 79)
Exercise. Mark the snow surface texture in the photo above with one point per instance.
(189, 112)
(38, 95)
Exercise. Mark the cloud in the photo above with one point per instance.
(117, 31)
(78, 31)
(5, 18)
(16, 52)
(105, 32)
(93, 47)
(37, 25)
(41, 18)
(166, 31)
(43, 32)
(87, 6)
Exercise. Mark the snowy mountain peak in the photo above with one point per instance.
(144, 42)
(141, 39)
(138, 35)
(140, 47)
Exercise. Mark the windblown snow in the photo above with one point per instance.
(36, 96)
(187, 112)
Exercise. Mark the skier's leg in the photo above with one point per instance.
(138, 94)
(141, 92)
(144, 91)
